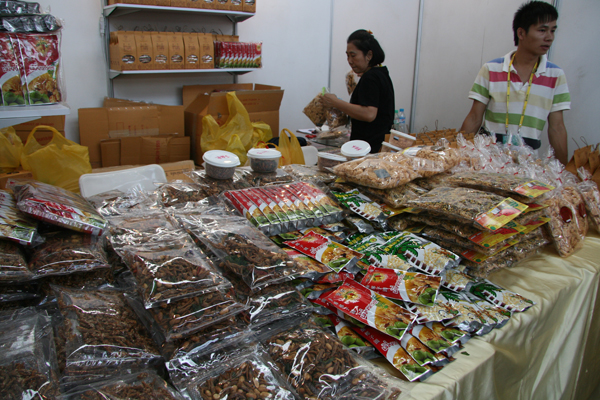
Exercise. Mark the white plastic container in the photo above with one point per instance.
(389, 148)
(220, 164)
(264, 160)
(328, 160)
(355, 149)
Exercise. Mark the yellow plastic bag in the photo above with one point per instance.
(291, 151)
(236, 133)
(11, 148)
(61, 162)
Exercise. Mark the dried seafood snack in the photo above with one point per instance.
(483, 210)
(381, 171)
(567, 225)
(65, 252)
(504, 184)
(275, 303)
(170, 270)
(139, 227)
(315, 111)
(303, 172)
(13, 265)
(334, 255)
(214, 187)
(103, 335)
(393, 351)
(115, 202)
(15, 225)
(371, 309)
(28, 365)
(177, 194)
(142, 385)
(58, 206)
(314, 362)
(444, 237)
(505, 299)
(408, 286)
(279, 177)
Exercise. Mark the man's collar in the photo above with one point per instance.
(541, 69)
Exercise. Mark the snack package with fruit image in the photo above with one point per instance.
(471, 318)
(353, 340)
(505, 299)
(421, 353)
(408, 286)
(452, 335)
(433, 340)
(440, 311)
(499, 315)
(371, 308)
(393, 351)
(12, 89)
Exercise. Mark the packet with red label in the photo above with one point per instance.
(408, 286)
(350, 338)
(434, 341)
(335, 255)
(249, 210)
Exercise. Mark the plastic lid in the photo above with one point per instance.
(406, 135)
(264, 153)
(330, 156)
(402, 109)
(221, 158)
(356, 148)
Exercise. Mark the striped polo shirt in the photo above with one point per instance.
(549, 93)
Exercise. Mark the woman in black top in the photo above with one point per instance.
(371, 106)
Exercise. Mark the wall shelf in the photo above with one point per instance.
(116, 10)
(237, 71)
(15, 115)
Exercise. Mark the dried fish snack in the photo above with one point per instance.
(407, 286)
(314, 362)
(400, 222)
(57, 206)
(568, 223)
(103, 335)
(77, 280)
(279, 177)
(214, 187)
(116, 202)
(65, 252)
(505, 185)
(13, 265)
(380, 171)
(303, 172)
(483, 210)
(393, 351)
(178, 194)
(370, 308)
(505, 299)
(14, 224)
(28, 365)
(141, 385)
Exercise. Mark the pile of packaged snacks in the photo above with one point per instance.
(15, 225)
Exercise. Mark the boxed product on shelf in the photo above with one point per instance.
(142, 150)
(249, 6)
(121, 118)
(160, 50)
(192, 50)
(207, 51)
(238, 55)
(144, 50)
(176, 50)
(123, 51)
(261, 101)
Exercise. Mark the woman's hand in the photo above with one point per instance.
(329, 100)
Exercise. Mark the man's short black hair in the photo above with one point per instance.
(533, 12)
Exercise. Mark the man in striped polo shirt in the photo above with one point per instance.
(525, 83)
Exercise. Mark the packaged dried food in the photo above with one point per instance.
(15, 225)
(57, 206)
(591, 195)
(334, 255)
(433, 159)
(483, 210)
(348, 337)
(314, 362)
(248, 209)
(170, 270)
(335, 118)
(220, 164)
(395, 197)
(303, 172)
(504, 184)
(213, 187)
(393, 351)
(379, 171)
(115, 202)
(431, 182)
(444, 238)
(457, 281)
(65, 252)
(452, 335)
(568, 223)
(28, 365)
(140, 385)
(331, 210)
(264, 160)
(13, 266)
(505, 299)
(371, 308)
(318, 269)
(306, 203)
(315, 111)
(77, 280)
(469, 319)
(178, 194)
(359, 224)
(421, 353)
(434, 341)
(408, 250)
(19, 8)
(499, 315)
(361, 205)
(243, 250)
(139, 227)
(183, 318)
(298, 219)
(103, 335)
(408, 286)
(275, 303)
(269, 209)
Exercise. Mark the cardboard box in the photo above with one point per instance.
(262, 103)
(122, 118)
(15, 175)
(143, 150)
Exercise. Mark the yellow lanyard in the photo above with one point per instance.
(526, 95)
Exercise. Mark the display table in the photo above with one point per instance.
(551, 351)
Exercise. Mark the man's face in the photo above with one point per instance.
(538, 39)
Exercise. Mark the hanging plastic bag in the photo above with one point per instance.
(215, 137)
(10, 149)
(291, 151)
(60, 162)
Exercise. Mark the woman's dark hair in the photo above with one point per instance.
(365, 41)
(533, 12)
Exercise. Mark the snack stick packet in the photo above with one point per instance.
(393, 351)
(371, 308)
(434, 341)
(505, 299)
(285, 205)
(408, 286)
(249, 210)
(334, 255)
(269, 208)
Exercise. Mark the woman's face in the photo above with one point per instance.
(358, 61)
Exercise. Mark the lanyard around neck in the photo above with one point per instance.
(526, 95)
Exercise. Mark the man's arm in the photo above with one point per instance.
(472, 122)
(557, 136)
